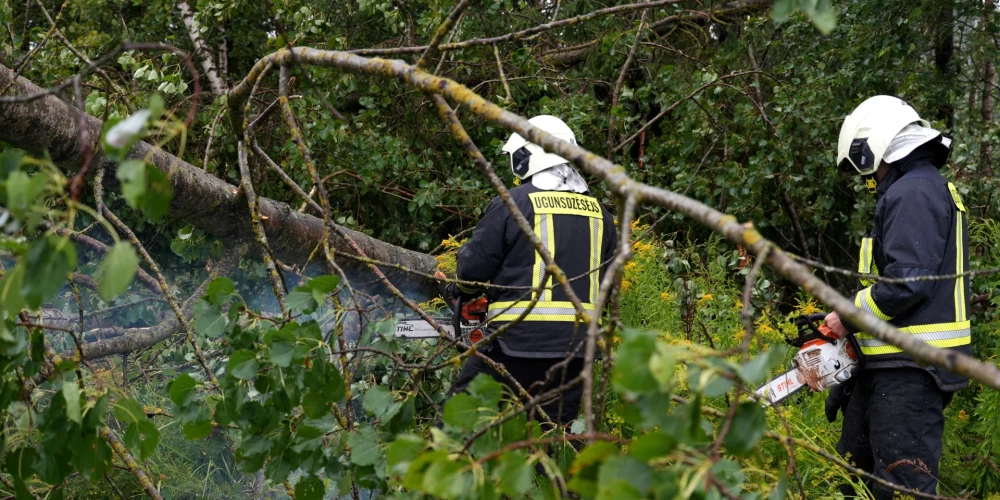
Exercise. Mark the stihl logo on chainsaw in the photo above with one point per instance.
(470, 322)
(823, 361)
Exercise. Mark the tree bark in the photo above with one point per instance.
(200, 48)
(989, 80)
(944, 50)
(50, 125)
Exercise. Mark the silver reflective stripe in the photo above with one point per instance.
(595, 258)
(863, 303)
(543, 234)
(926, 337)
(537, 310)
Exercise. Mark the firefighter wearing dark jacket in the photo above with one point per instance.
(577, 231)
(893, 409)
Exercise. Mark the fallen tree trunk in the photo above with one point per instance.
(50, 125)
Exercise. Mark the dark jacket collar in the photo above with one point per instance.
(920, 159)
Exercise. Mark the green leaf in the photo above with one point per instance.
(143, 436)
(10, 162)
(514, 475)
(780, 490)
(756, 369)
(183, 389)
(243, 365)
(585, 467)
(315, 403)
(220, 290)
(48, 262)
(444, 479)
(71, 393)
(747, 428)
(128, 411)
(631, 372)
(487, 390)
(364, 446)
(92, 457)
(281, 353)
(145, 188)
(300, 300)
(781, 10)
(378, 401)
(461, 411)
(10, 290)
(652, 445)
(117, 270)
(209, 319)
(661, 366)
(309, 487)
(23, 191)
(403, 451)
(624, 470)
(198, 429)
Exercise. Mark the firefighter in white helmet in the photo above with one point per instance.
(578, 232)
(893, 408)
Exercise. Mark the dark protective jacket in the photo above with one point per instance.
(579, 233)
(920, 229)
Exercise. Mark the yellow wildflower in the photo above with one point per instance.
(738, 305)
(963, 415)
(665, 295)
(630, 266)
(642, 248)
(808, 307)
(706, 298)
(626, 284)
(764, 329)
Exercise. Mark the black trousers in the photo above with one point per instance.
(892, 428)
(530, 373)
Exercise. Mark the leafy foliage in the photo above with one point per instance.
(324, 401)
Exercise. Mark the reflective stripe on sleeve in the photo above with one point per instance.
(543, 311)
(866, 261)
(864, 301)
(596, 238)
(941, 335)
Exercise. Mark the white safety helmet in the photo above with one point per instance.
(526, 158)
(884, 128)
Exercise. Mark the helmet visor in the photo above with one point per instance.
(859, 160)
(846, 167)
(519, 162)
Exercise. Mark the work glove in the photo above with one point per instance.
(837, 398)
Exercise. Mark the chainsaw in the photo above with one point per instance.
(469, 321)
(822, 361)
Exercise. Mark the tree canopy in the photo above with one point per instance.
(214, 211)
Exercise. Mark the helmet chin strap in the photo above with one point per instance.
(870, 183)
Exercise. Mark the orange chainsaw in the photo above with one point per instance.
(469, 322)
(822, 361)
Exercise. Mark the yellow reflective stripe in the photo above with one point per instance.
(542, 311)
(960, 302)
(550, 243)
(536, 317)
(866, 261)
(539, 266)
(596, 238)
(550, 202)
(957, 198)
(541, 303)
(546, 233)
(938, 327)
(941, 335)
(940, 344)
(864, 301)
(865, 256)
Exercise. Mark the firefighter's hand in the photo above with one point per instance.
(833, 322)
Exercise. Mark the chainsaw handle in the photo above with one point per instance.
(456, 318)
